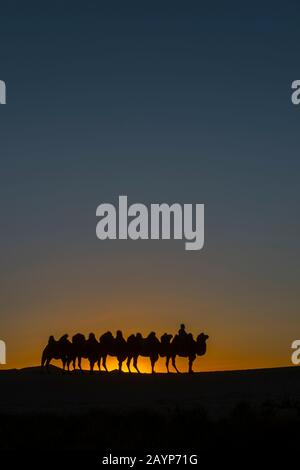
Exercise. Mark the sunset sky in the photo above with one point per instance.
(164, 102)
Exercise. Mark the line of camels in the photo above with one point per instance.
(182, 344)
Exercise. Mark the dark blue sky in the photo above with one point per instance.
(164, 102)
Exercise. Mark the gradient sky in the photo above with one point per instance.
(165, 102)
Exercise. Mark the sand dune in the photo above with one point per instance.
(28, 390)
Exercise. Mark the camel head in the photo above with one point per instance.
(201, 344)
(202, 337)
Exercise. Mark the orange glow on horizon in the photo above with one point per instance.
(231, 345)
(208, 363)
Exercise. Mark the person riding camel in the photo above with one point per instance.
(183, 337)
(181, 332)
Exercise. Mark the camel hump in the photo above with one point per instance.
(119, 337)
(152, 336)
(153, 339)
(165, 338)
(131, 339)
(51, 340)
(106, 335)
(79, 337)
(175, 339)
(64, 339)
(183, 343)
(107, 340)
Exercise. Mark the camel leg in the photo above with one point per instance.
(135, 359)
(167, 363)
(153, 361)
(191, 360)
(99, 364)
(128, 363)
(92, 363)
(47, 365)
(104, 363)
(120, 361)
(174, 364)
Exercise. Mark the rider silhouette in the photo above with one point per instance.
(181, 332)
(184, 338)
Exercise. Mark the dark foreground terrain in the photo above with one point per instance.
(201, 413)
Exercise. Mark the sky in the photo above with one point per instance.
(185, 102)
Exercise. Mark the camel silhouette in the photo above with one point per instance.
(139, 346)
(61, 349)
(165, 348)
(186, 347)
(84, 349)
(110, 346)
(169, 347)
